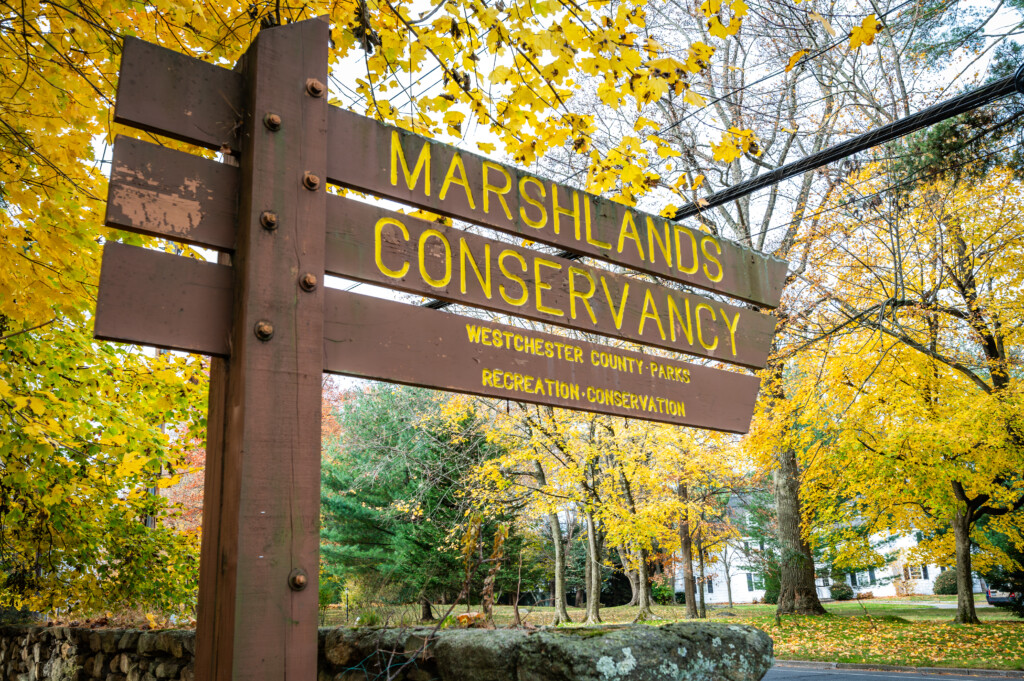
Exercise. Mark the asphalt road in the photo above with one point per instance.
(782, 673)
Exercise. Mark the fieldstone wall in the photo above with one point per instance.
(75, 654)
(685, 651)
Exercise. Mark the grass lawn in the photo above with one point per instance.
(883, 631)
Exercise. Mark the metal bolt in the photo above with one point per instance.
(311, 181)
(314, 87)
(297, 579)
(308, 281)
(264, 330)
(272, 121)
(268, 219)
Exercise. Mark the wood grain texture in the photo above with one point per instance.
(156, 298)
(363, 156)
(372, 244)
(272, 419)
(380, 339)
(181, 97)
(162, 192)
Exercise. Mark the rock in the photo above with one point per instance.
(690, 651)
(167, 670)
(128, 640)
(147, 643)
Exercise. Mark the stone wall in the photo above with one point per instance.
(73, 654)
(685, 651)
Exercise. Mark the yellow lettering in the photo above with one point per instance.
(504, 270)
(590, 237)
(466, 256)
(686, 328)
(584, 297)
(498, 191)
(679, 251)
(645, 315)
(450, 179)
(718, 250)
(422, 165)
(557, 211)
(421, 247)
(377, 255)
(700, 335)
(622, 304)
(473, 331)
(540, 286)
(628, 231)
(664, 241)
(488, 379)
(536, 224)
(732, 327)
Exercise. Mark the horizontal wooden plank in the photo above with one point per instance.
(156, 298)
(178, 96)
(172, 194)
(380, 339)
(387, 161)
(375, 245)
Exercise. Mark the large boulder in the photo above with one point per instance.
(697, 651)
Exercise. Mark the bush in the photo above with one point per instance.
(865, 595)
(904, 587)
(842, 591)
(661, 592)
(772, 588)
(945, 583)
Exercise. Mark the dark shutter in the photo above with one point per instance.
(750, 582)
(711, 587)
(871, 575)
(924, 568)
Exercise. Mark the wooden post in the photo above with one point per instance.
(260, 553)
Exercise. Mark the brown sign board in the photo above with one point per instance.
(155, 298)
(372, 244)
(168, 193)
(387, 161)
(384, 160)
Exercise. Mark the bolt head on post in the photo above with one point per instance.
(315, 88)
(272, 121)
(268, 219)
(297, 580)
(308, 281)
(264, 330)
(310, 181)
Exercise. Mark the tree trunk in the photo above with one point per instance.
(593, 573)
(728, 577)
(561, 613)
(631, 575)
(644, 600)
(686, 548)
(703, 581)
(965, 612)
(798, 594)
(426, 613)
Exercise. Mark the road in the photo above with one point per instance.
(782, 673)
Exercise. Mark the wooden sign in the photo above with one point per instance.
(372, 244)
(272, 329)
(391, 162)
(154, 298)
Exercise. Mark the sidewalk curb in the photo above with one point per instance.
(813, 664)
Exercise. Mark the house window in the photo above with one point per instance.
(863, 579)
(750, 582)
(754, 582)
(912, 572)
(710, 586)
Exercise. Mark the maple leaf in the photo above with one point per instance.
(794, 60)
(865, 33)
(824, 23)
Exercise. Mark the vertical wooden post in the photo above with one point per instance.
(260, 554)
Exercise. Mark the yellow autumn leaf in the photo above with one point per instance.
(697, 182)
(794, 60)
(709, 7)
(824, 23)
(720, 30)
(486, 147)
(726, 150)
(694, 99)
(668, 152)
(865, 33)
(739, 9)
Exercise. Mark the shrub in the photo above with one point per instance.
(842, 591)
(772, 587)
(945, 583)
(661, 592)
(865, 595)
(904, 587)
